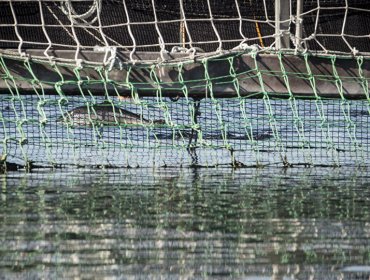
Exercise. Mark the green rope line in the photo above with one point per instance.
(324, 125)
(364, 81)
(298, 123)
(345, 107)
(19, 119)
(38, 88)
(248, 128)
(272, 120)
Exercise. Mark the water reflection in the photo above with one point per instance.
(186, 223)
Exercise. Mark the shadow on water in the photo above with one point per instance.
(191, 223)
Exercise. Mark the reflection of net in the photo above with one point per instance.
(313, 223)
(214, 26)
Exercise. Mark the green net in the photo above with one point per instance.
(184, 83)
(179, 117)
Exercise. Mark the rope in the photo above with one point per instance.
(76, 18)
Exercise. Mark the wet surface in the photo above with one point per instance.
(266, 223)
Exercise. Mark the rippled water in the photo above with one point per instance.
(186, 223)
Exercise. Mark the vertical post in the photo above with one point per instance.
(298, 25)
(282, 22)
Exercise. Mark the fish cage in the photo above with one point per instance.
(147, 83)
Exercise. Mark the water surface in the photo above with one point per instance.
(266, 223)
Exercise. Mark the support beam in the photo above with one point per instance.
(298, 25)
(223, 84)
(282, 22)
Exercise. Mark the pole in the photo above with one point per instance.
(298, 25)
(282, 22)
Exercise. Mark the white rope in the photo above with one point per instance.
(59, 21)
(237, 26)
(50, 44)
(185, 22)
(21, 53)
(130, 33)
(240, 22)
(219, 49)
(76, 18)
(161, 41)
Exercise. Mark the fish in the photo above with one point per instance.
(104, 114)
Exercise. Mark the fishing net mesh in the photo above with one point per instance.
(184, 82)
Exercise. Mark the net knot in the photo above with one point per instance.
(79, 63)
(110, 55)
(246, 47)
(190, 51)
(355, 51)
(195, 126)
(35, 82)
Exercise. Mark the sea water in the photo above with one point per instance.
(185, 223)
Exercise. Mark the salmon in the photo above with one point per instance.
(104, 114)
